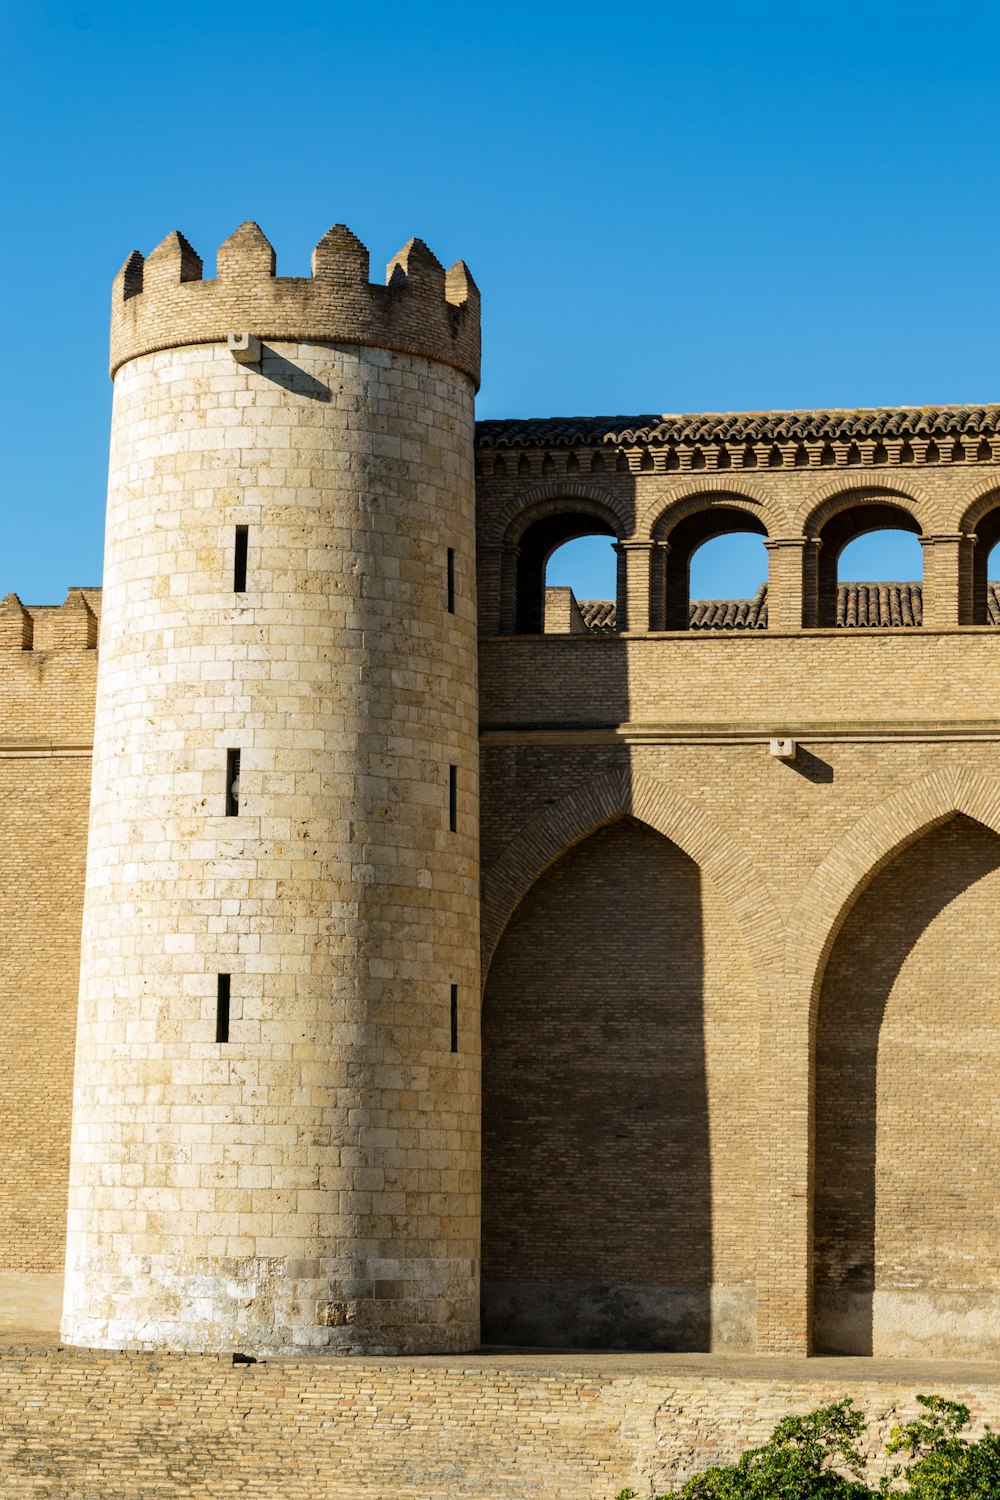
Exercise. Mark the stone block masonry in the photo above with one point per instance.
(302, 1170)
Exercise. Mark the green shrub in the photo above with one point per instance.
(798, 1462)
(944, 1466)
(816, 1457)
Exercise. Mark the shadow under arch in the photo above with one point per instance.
(839, 883)
(627, 793)
(900, 1007)
(637, 967)
(861, 855)
(597, 1168)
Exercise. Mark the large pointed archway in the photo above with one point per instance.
(907, 1140)
(618, 1196)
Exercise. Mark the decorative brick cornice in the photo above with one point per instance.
(887, 437)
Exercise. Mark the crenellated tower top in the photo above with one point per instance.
(161, 301)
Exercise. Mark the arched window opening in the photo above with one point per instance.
(993, 586)
(672, 594)
(986, 571)
(536, 547)
(869, 571)
(728, 583)
(581, 587)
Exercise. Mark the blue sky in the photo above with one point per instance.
(670, 208)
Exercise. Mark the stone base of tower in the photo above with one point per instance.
(272, 1306)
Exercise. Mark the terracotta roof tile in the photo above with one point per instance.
(736, 427)
(599, 615)
(859, 606)
(879, 604)
(730, 614)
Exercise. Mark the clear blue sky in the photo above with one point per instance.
(670, 208)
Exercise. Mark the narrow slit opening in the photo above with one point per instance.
(222, 1009)
(453, 798)
(451, 580)
(240, 560)
(232, 783)
(454, 1018)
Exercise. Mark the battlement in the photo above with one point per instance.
(162, 301)
(70, 626)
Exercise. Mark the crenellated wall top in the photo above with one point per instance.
(162, 301)
(71, 626)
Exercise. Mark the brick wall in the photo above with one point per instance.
(620, 1057)
(77, 1425)
(46, 716)
(907, 1153)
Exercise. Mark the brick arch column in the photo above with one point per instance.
(788, 1031)
(977, 520)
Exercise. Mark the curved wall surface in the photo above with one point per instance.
(313, 1180)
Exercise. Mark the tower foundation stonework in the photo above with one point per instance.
(276, 1104)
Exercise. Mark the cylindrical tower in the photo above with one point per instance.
(276, 1107)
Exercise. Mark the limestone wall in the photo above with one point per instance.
(312, 1180)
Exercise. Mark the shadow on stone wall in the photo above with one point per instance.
(903, 1194)
(596, 1171)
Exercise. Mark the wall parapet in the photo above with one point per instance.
(161, 301)
(70, 626)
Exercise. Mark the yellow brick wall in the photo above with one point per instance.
(619, 1051)
(178, 1427)
(908, 1071)
(46, 714)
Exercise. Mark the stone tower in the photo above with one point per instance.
(276, 1105)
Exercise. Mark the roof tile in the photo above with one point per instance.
(736, 427)
(859, 606)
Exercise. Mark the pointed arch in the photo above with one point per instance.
(622, 794)
(864, 852)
